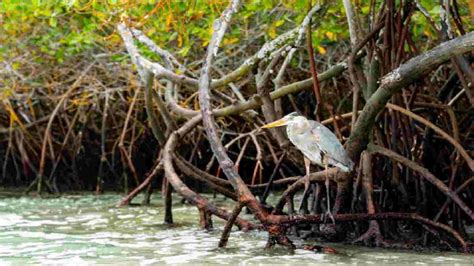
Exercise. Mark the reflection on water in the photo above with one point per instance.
(86, 229)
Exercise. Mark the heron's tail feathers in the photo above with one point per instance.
(345, 167)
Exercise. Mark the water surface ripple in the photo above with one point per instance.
(86, 229)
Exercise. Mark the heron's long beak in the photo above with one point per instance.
(278, 123)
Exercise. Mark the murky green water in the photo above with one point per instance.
(82, 230)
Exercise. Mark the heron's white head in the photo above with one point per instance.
(289, 119)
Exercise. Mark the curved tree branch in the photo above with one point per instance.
(398, 79)
(181, 188)
(245, 196)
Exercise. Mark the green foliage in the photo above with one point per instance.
(54, 30)
(58, 29)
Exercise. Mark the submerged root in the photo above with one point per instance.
(373, 237)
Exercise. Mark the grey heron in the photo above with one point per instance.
(318, 145)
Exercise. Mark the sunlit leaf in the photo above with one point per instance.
(321, 50)
(169, 20)
(331, 36)
(272, 32)
(280, 22)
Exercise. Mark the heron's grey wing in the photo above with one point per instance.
(312, 150)
(307, 143)
(331, 147)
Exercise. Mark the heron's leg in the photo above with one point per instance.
(328, 199)
(303, 209)
(307, 165)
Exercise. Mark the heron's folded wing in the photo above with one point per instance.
(307, 143)
(329, 144)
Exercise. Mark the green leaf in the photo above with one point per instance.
(53, 22)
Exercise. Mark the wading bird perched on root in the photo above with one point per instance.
(318, 145)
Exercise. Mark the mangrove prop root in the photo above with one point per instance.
(146, 182)
(229, 224)
(168, 202)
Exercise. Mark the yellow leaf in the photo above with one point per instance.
(210, 31)
(169, 19)
(196, 105)
(272, 32)
(321, 50)
(280, 22)
(13, 116)
(180, 40)
(228, 41)
(331, 36)
(16, 65)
